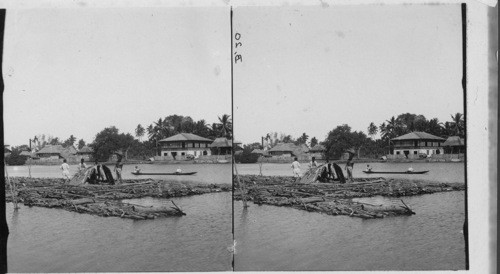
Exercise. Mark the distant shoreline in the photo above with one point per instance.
(131, 162)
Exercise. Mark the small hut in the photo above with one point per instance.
(317, 151)
(221, 146)
(454, 145)
(85, 153)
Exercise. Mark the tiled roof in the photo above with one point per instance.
(185, 137)
(418, 135)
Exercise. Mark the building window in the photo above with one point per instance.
(397, 152)
(204, 152)
(415, 152)
(183, 153)
(165, 154)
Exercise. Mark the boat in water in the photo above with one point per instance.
(395, 172)
(168, 173)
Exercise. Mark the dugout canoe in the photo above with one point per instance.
(171, 173)
(395, 172)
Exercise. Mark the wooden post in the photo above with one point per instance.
(242, 187)
(260, 165)
(12, 189)
(29, 166)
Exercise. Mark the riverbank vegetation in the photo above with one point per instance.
(366, 145)
(110, 140)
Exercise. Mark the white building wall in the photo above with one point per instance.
(428, 151)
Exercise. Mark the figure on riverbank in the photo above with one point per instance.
(118, 170)
(137, 169)
(296, 168)
(65, 171)
(313, 163)
(82, 165)
(368, 168)
(349, 166)
(179, 170)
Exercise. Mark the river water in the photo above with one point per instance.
(268, 237)
(280, 238)
(438, 171)
(206, 173)
(54, 240)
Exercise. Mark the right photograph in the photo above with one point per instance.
(349, 128)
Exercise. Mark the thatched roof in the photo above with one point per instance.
(317, 148)
(182, 137)
(58, 150)
(289, 147)
(454, 141)
(51, 149)
(85, 150)
(222, 142)
(260, 152)
(417, 135)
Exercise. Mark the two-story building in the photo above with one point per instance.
(417, 144)
(184, 144)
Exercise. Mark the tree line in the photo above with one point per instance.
(342, 137)
(111, 140)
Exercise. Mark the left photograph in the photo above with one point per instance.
(118, 139)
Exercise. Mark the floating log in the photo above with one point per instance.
(105, 200)
(335, 198)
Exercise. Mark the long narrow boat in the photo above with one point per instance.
(171, 173)
(395, 172)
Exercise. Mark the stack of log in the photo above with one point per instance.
(105, 200)
(335, 198)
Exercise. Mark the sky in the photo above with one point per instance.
(77, 71)
(310, 69)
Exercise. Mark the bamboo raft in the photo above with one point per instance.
(106, 200)
(336, 198)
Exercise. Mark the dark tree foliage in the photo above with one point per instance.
(108, 141)
(314, 141)
(174, 124)
(81, 144)
(70, 141)
(341, 139)
(302, 139)
(247, 156)
(55, 141)
(15, 159)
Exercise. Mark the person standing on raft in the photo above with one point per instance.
(313, 163)
(296, 168)
(82, 165)
(349, 166)
(118, 169)
(65, 171)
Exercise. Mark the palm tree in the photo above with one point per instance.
(226, 126)
(457, 123)
(139, 131)
(372, 129)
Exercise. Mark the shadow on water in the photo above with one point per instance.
(278, 238)
(40, 237)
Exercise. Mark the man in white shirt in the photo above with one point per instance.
(65, 170)
(296, 168)
(313, 163)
